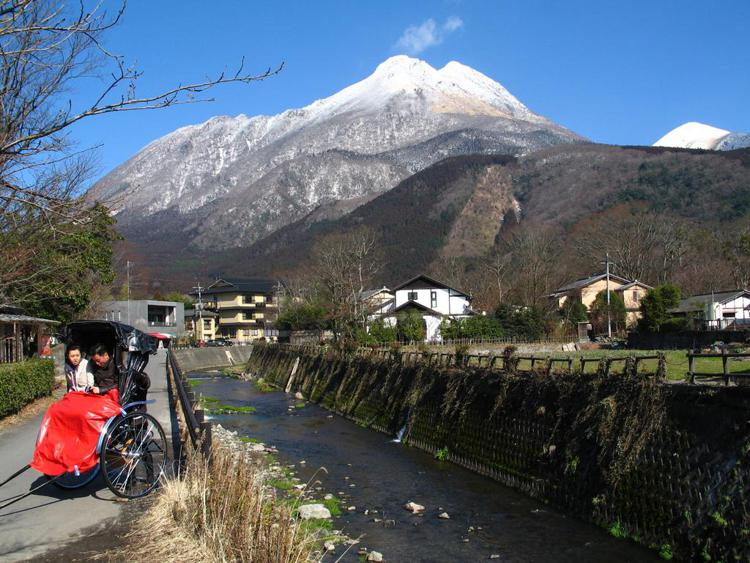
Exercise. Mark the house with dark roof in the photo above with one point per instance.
(723, 310)
(586, 289)
(433, 300)
(247, 308)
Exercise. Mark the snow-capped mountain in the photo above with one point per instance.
(232, 180)
(694, 135)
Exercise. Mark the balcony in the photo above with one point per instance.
(161, 323)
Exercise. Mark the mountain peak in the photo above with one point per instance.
(403, 64)
(455, 88)
(693, 135)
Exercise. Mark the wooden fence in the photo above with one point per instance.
(727, 375)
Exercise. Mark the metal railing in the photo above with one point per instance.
(198, 428)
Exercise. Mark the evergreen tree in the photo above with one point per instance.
(655, 306)
(599, 309)
(410, 326)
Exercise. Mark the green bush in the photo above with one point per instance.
(478, 326)
(23, 382)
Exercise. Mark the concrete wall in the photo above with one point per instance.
(662, 464)
(192, 359)
(135, 313)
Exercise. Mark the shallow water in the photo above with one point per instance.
(377, 474)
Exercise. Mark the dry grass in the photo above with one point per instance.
(225, 511)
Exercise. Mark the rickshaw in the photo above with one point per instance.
(131, 449)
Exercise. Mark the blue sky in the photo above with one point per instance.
(615, 72)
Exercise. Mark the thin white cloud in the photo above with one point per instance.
(452, 24)
(417, 38)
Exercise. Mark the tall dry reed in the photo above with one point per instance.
(222, 511)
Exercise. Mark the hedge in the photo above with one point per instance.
(23, 382)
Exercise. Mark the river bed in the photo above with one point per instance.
(377, 476)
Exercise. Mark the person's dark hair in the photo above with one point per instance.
(99, 349)
(70, 348)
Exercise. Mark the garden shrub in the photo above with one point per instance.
(24, 382)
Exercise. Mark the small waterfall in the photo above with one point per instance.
(399, 435)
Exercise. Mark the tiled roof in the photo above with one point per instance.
(583, 282)
(431, 281)
(25, 319)
(232, 285)
(699, 302)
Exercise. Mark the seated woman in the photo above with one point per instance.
(77, 374)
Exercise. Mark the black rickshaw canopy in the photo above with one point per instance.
(110, 333)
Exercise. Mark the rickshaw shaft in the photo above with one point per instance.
(16, 474)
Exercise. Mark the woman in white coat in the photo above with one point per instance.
(77, 373)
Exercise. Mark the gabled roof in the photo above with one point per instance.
(431, 282)
(416, 305)
(232, 285)
(632, 284)
(699, 302)
(583, 282)
(368, 293)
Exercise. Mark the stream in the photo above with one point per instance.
(377, 476)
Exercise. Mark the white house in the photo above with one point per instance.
(433, 300)
(717, 311)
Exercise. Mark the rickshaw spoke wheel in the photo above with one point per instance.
(71, 481)
(133, 455)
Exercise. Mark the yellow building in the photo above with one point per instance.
(246, 309)
(585, 290)
(202, 325)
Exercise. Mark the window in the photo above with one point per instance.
(636, 297)
(246, 332)
(206, 324)
(412, 296)
(247, 316)
(433, 299)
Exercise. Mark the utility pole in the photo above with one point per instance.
(609, 316)
(127, 268)
(199, 308)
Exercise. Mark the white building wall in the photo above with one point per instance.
(740, 307)
(446, 304)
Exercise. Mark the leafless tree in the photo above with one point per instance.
(736, 249)
(644, 246)
(343, 266)
(533, 253)
(46, 49)
(498, 266)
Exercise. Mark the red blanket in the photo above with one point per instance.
(70, 432)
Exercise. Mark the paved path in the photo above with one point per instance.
(53, 517)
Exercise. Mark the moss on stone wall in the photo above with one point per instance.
(666, 463)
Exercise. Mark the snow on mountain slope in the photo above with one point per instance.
(229, 180)
(693, 135)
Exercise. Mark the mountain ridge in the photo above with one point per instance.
(252, 175)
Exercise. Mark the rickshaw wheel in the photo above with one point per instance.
(70, 481)
(133, 455)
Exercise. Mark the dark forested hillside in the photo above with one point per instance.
(493, 221)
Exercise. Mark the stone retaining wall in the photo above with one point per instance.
(661, 464)
(192, 359)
